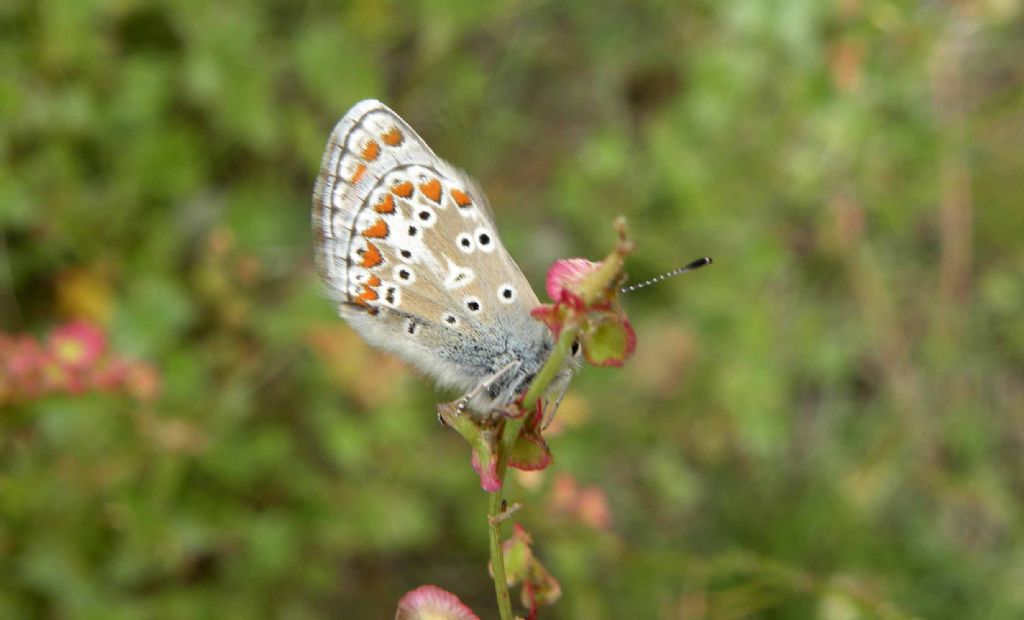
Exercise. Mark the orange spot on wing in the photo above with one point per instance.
(371, 257)
(403, 189)
(432, 190)
(393, 137)
(358, 174)
(378, 230)
(371, 150)
(461, 198)
(368, 293)
(386, 205)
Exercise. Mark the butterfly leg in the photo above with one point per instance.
(551, 410)
(488, 383)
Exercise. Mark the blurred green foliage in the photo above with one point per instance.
(828, 423)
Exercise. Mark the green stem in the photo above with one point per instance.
(497, 558)
(551, 368)
(507, 439)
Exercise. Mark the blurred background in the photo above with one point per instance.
(827, 423)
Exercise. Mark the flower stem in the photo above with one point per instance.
(506, 440)
(497, 558)
(551, 368)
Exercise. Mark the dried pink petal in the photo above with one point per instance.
(488, 472)
(552, 315)
(432, 603)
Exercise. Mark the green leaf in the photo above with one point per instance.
(608, 341)
(518, 556)
(482, 441)
(530, 452)
(542, 586)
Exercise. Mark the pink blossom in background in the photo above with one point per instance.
(143, 381)
(77, 345)
(592, 508)
(73, 359)
(588, 505)
(20, 357)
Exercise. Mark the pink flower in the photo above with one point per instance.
(432, 603)
(56, 377)
(586, 295)
(75, 360)
(76, 345)
(564, 278)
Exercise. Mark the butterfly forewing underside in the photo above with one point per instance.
(406, 245)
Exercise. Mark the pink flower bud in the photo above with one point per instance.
(564, 278)
(432, 603)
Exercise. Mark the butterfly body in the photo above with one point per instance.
(408, 248)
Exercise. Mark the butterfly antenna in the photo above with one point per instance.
(697, 264)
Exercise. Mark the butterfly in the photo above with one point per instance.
(408, 248)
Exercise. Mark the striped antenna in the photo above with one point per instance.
(697, 264)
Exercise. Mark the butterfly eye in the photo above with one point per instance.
(575, 347)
